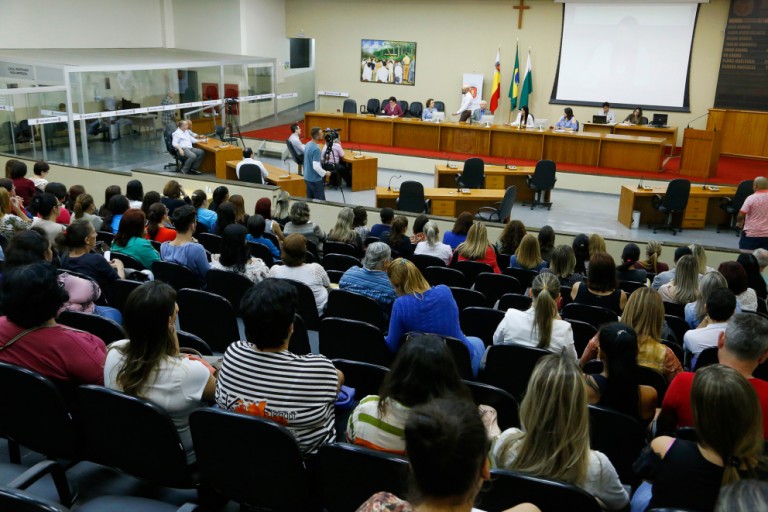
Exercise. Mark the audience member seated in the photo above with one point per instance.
(423, 371)
(510, 237)
(256, 227)
(360, 221)
(238, 202)
(295, 267)
(698, 252)
(742, 346)
(736, 278)
(601, 288)
(157, 224)
(282, 210)
(743, 496)
(477, 247)
(688, 474)
(300, 224)
(117, 206)
(32, 339)
(421, 308)
(371, 279)
(562, 265)
(447, 446)
(130, 240)
(617, 387)
(596, 244)
(184, 250)
(343, 230)
(262, 378)
(546, 238)
(13, 218)
(220, 195)
(109, 192)
(148, 364)
(432, 246)
(720, 307)
(580, 248)
(264, 208)
(45, 207)
(150, 198)
(667, 276)
(226, 215)
(696, 312)
(173, 196)
(540, 326)
(398, 240)
(40, 170)
(85, 208)
(627, 271)
(59, 190)
(134, 191)
(236, 257)
(754, 275)
(78, 242)
(528, 255)
(72, 194)
(25, 188)
(418, 229)
(458, 234)
(556, 402)
(205, 217)
(387, 215)
(651, 262)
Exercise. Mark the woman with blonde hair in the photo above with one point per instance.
(701, 258)
(477, 247)
(432, 246)
(563, 266)
(528, 255)
(651, 263)
(422, 308)
(554, 442)
(596, 244)
(282, 209)
(683, 287)
(695, 312)
(343, 230)
(85, 208)
(12, 216)
(540, 326)
(728, 423)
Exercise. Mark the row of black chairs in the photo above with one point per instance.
(374, 106)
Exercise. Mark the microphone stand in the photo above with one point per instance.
(694, 120)
(389, 185)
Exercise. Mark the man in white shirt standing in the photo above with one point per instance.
(466, 100)
(183, 138)
(606, 111)
(720, 308)
(248, 159)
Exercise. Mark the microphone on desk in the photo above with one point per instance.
(640, 185)
(506, 165)
(389, 186)
(703, 115)
(704, 186)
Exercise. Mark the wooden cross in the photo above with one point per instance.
(521, 8)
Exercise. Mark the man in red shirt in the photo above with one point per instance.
(753, 217)
(743, 346)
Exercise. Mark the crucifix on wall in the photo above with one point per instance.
(522, 7)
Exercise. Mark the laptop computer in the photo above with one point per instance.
(599, 119)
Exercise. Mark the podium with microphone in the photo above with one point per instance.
(701, 151)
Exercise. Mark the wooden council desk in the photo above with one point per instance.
(291, 183)
(632, 152)
(669, 134)
(445, 201)
(364, 170)
(216, 156)
(496, 177)
(702, 206)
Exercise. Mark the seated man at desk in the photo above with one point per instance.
(478, 113)
(568, 121)
(183, 138)
(606, 111)
(248, 159)
(296, 140)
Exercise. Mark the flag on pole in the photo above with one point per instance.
(527, 88)
(496, 87)
(514, 86)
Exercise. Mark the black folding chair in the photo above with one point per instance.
(594, 315)
(466, 298)
(507, 408)
(422, 261)
(446, 276)
(177, 276)
(508, 487)
(307, 307)
(210, 242)
(480, 322)
(494, 286)
(128, 261)
(524, 275)
(197, 308)
(366, 378)
(104, 328)
(344, 304)
(509, 367)
(230, 285)
(472, 269)
(515, 301)
(619, 437)
(341, 338)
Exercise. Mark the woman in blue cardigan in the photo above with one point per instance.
(421, 308)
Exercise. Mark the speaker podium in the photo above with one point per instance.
(701, 153)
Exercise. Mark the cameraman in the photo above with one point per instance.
(332, 160)
(314, 174)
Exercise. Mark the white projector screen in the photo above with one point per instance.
(629, 54)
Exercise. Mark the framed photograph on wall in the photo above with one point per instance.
(388, 62)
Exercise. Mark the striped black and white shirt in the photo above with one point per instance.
(298, 392)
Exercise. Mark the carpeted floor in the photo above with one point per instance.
(731, 170)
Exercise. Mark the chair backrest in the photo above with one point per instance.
(507, 407)
(105, 236)
(674, 309)
(168, 138)
(36, 413)
(210, 242)
(446, 276)
(119, 431)
(177, 276)
(230, 285)
(630, 286)
(335, 275)
(650, 377)
(349, 106)
(508, 487)
(676, 349)
(104, 328)
(299, 342)
(251, 173)
(514, 301)
(461, 357)
(505, 210)
(232, 449)
(422, 261)
(524, 275)
(349, 475)
(472, 269)
(619, 437)
(678, 325)
(373, 106)
(582, 333)
(343, 262)
(366, 378)
(384, 103)
(403, 105)
(416, 109)
(261, 251)
(494, 286)
(121, 289)
(440, 106)
(480, 322)
(676, 197)
(196, 311)
(22, 501)
(307, 307)
(189, 340)
(345, 304)
(707, 357)
(411, 197)
(544, 175)
(743, 191)
(509, 367)
(341, 338)
(292, 151)
(594, 315)
(473, 175)
(466, 298)
(128, 261)
(333, 247)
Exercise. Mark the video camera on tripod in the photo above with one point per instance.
(331, 135)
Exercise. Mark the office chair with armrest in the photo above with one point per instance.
(221, 133)
(251, 173)
(415, 110)
(473, 175)
(383, 104)
(502, 211)
(373, 106)
(734, 204)
(673, 201)
(349, 107)
(643, 120)
(440, 106)
(412, 198)
(294, 156)
(178, 161)
(542, 181)
(403, 105)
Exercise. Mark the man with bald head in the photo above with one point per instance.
(466, 102)
(478, 114)
(753, 218)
